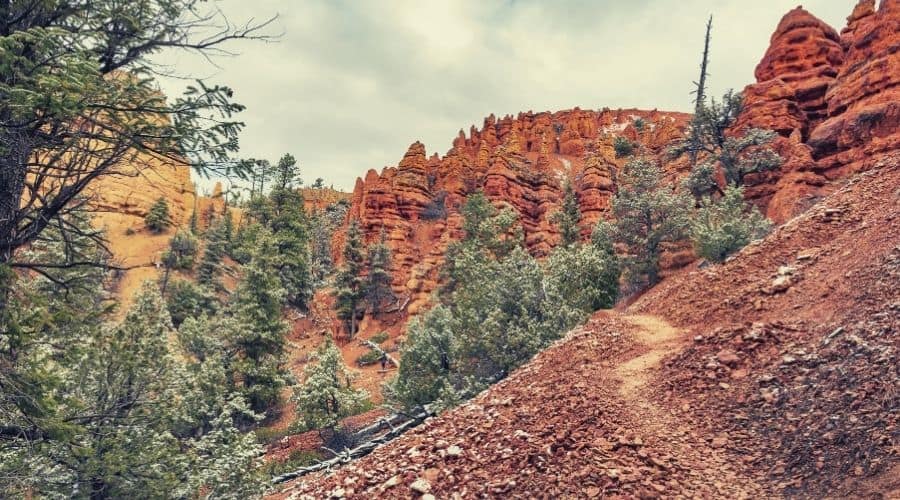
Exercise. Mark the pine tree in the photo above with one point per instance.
(327, 395)
(648, 214)
(216, 246)
(378, 280)
(568, 218)
(257, 305)
(157, 218)
(289, 226)
(349, 286)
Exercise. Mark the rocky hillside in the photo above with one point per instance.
(775, 373)
(121, 200)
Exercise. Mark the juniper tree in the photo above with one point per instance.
(157, 218)
(738, 155)
(378, 279)
(648, 214)
(349, 285)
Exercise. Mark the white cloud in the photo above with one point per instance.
(352, 83)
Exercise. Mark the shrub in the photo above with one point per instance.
(157, 218)
(623, 147)
(436, 209)
(380, 337)
(369, 358)
(722, 227)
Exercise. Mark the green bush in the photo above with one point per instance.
(369, 358)
(182, 251)
(623, 147)
(157, 218)
(380, 337)
(722, 227)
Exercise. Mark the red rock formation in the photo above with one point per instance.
(834, 100)
(521, 162)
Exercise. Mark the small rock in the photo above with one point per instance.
(393, 481)
(338, 493)
(420, 486)
(454, 451)
(806, 254)
(728, 357)
(428, 496)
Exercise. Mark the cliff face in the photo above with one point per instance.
(833, 98)
(522, 162)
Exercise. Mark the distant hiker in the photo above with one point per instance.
(384, 361)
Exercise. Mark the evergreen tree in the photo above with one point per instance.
(490, 234)
(349, 285)
(216, 246)
(378, 280)
(157, 218)
(289, 224)
(736, 155)
(185, 299)
(182, 251)
(721, 227)
(120, 412)
(648, 214)
(326, 395)
(259, 344)
(568, 218)
(623, 147)
(583, 278)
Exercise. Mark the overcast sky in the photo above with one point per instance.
(352, 83)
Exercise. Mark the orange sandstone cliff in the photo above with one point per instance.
(833, 98)
(522, 162)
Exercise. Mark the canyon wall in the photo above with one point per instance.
(833, 98)
(522, 162)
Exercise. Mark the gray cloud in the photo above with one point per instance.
(352, 83)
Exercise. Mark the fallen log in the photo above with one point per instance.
(375, 347)
(346, 455)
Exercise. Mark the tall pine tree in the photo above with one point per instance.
(378, 280)
(349, 285)
(568, 217)
(257, 305)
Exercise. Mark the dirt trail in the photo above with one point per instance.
(661, 338)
